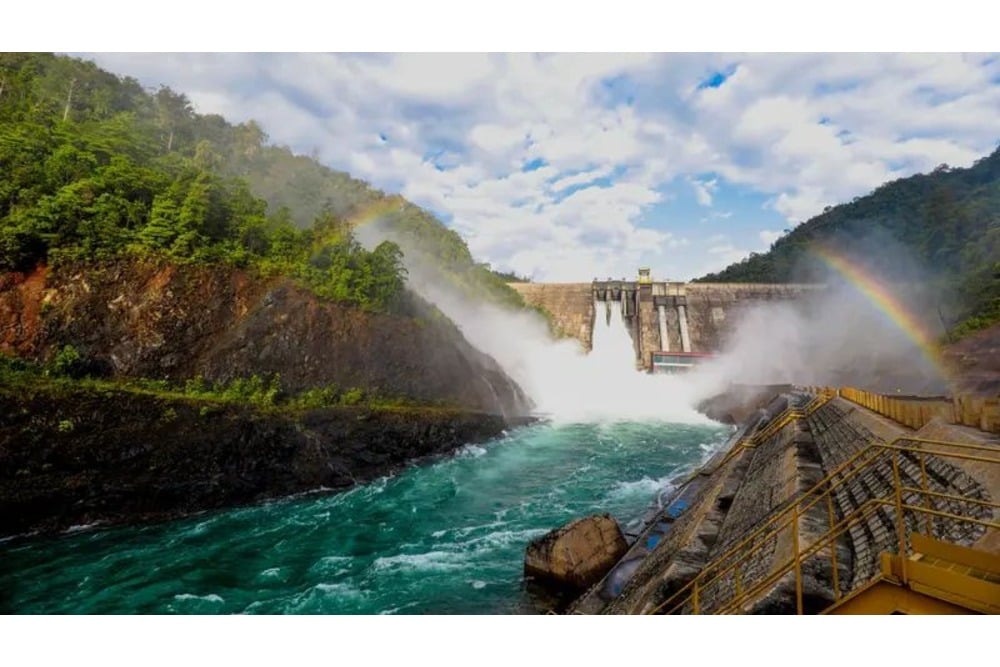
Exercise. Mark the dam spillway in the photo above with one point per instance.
(659, 315)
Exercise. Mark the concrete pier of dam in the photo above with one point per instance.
(660, 315)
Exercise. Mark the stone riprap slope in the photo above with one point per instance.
(737, 493)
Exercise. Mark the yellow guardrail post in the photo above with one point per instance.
(798, 563)
(900, 523)
(925, 487)
(832, 520)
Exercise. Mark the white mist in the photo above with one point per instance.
(565, 383)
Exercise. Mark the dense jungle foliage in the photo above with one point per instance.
(945, 223)
(93, 165)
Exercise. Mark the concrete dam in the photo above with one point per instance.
(660, 316)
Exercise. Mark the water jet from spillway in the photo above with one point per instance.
(564, 383)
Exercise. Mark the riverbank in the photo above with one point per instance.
(446, 536)
(85, 456)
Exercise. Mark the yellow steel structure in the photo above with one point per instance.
(940, 578)
(916, 411)
(724, 581)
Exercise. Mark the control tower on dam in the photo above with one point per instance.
(661, 316)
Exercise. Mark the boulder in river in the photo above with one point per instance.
(578, 554)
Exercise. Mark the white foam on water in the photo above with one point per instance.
(647, 487)
(502, 538)
(431, 561)
(83, 526)
(328, 565)
(396, 610)
(338, 589)
(465, 531)
(318, 597)
(211, 597)
(471, 451)
(199, 528)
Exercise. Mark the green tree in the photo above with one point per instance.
(163, 227)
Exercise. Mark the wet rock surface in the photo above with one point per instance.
(578, 554)
(110, 457)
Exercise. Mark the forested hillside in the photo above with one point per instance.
(93, 166)
(947, 222)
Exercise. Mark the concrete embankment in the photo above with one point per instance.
(795, 468)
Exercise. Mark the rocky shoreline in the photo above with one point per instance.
(117, 457)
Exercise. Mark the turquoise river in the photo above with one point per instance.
(445, 536)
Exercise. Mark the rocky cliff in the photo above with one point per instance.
(148, 318)
(73, 455)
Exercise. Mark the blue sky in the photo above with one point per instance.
(567, 167)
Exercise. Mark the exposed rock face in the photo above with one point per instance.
(137, 318)
(72, 457)
(975, 362)
(739, 402)
(578, 554)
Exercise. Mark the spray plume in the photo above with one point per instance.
(861, 331)
(564, 383)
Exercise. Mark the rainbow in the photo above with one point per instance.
(884, 300)
(377, 209)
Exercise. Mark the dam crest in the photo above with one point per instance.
(660, 316)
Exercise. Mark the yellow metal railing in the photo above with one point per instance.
(780, 421)
(916, 411)
(723, 584)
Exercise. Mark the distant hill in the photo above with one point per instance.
(92, 165)
(946, 223)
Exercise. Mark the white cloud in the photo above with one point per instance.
(769, 236)
(721, 255)
(800, 204)
(804, 131)
(435, 77)
(496, 138)
(580, 178)
(703, 190)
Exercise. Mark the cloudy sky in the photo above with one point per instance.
(570, 167)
